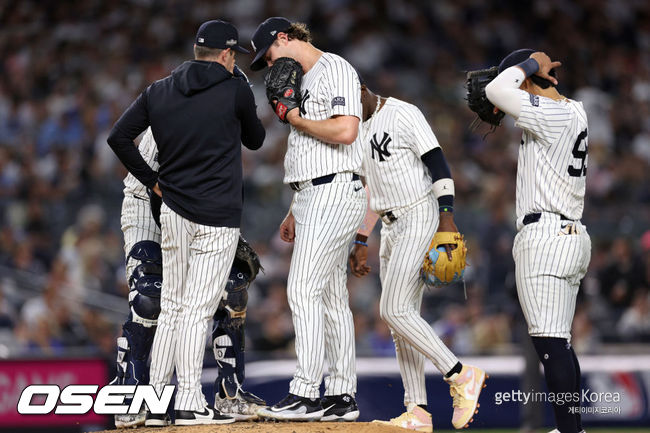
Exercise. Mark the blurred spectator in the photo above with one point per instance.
(635, 322)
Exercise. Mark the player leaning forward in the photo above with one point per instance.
(410, 186)
(321, 166)
(552, 248)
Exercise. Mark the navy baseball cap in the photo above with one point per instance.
(518, 56)
(515, 58)
(219, 34)
(264, 37)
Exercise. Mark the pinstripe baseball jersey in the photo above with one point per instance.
(136, 220)
(330, 88)
(394, 139)
(552, 165)
(149, 151)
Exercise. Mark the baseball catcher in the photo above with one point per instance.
(228, 337)
(282, 83)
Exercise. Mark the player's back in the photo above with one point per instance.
(552, 164)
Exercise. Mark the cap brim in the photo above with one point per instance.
(259, 62)
(239, 49)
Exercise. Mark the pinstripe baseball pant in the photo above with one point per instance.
(404, 244)
(549, 265)
(327, 217)
(137, 225)
(197, 261)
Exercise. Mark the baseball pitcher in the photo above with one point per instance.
(321, 166)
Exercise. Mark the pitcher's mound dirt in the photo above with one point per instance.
(272, 427)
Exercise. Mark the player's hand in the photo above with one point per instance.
(293, 116)
(447, 224)
(358, 260)
(288, 228)
(157, 190)
(545, 65)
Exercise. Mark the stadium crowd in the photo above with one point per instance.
(68, 68)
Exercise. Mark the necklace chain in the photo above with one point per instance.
(366, 124)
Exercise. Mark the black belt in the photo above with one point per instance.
(328, 178)
(391, 217)
(534, 217)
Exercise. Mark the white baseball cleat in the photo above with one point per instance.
(128, 420)
(240, 408)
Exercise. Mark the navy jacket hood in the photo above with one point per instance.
(195, 76)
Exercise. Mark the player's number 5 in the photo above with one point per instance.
(581, 155)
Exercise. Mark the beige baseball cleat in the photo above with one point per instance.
(416, 419)
(465, 388)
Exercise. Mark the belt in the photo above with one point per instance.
(534, 217)
(388, 217)
(392, 215)
(328, 178)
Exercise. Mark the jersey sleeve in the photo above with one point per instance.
(543, 117)
(149, 150)
(416, 130)
(344, 98)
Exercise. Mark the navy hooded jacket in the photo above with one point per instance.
(199, 115)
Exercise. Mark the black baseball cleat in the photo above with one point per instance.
(154, 420)
(294, 408)
(206, 416)
(339, 408)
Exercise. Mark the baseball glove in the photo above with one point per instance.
(437, 269)
(247, 257)
(282, 83)
(476, 99)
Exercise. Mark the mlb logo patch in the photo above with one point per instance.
(339, 100)
(534, 100)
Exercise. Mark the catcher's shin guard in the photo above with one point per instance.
(132, 353)
(228, 334)
(228, 346)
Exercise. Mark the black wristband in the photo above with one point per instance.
(446, 201)
(529, 66)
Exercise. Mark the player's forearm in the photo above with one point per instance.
(504, 91)
(335, 130)
(368, 223)
(443, 184)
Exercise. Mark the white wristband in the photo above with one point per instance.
(443, 187)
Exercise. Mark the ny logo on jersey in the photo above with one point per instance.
(302, 103)
(381, 148)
